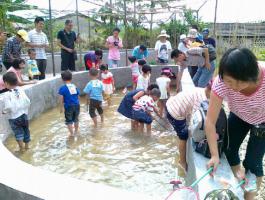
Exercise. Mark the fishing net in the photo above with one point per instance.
(184, 193)
(221, 194)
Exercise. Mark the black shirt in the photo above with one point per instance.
(67, 39)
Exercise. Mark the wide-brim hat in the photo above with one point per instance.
(163, 33)
(24, 35)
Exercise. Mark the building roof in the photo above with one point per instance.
(240, 29)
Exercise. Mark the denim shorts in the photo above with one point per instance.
(180, 126)
(20, 127)
(71, 114)
(142, 116)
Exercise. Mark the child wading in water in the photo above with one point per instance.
(125, 107)
(69, 100)
(16, 103)
(143, 108)
(164, 86)
(94, 90)
(108, 83)
(144, 79)
(179, 109)
(135, 70)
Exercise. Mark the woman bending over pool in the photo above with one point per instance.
(241, 82)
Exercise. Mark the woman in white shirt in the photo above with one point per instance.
(163, 48)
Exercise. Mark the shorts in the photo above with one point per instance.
(134, 78)
(180, 126)
(107, 97)
(162, 61)
(93, 105)
(20, 127)
(71, 114)
(142, 116)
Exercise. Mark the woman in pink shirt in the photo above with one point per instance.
(18, 66)
(241, 82)
(114, 43)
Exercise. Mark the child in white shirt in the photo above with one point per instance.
(144, 79)
(163, 83)
(16, 103)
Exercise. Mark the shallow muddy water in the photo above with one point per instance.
(110, 154)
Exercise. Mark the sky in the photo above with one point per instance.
(228, 10)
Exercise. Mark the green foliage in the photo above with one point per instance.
(11, 6)
(260, 54)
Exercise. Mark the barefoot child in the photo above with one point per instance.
(143, 108)
(16, 103)
(135, 70)
(108, 83)
(144, 79)
(164, 86)
(179, 109)
(94, 90)
(69, 100)
(125, 107)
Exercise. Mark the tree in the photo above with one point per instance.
(6, 9)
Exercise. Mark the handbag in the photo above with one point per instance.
(258, 130)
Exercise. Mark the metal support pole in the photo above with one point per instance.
(125, 26)
(78, 30)
(51, 37)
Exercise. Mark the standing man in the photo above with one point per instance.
(38, 41)
(114, 43)
(140, 52)
(207, 39)
(66, 39)
(2, 40)
(13, 46)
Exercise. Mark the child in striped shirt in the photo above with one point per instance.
(143, 108)
(179, 109)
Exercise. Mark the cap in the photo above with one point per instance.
(192, 33)
(199, 37)
(24, 35)
(205, 30)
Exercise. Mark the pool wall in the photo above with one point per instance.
(19, 180)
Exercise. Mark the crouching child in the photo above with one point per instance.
(143, 108)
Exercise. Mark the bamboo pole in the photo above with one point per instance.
(78, 32)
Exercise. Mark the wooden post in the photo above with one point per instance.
(51, 37)
(215, 14)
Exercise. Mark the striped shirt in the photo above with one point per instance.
(145, 103)
(38, 38)
(185, 103)
(251, 108)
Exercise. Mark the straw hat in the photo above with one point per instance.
(163, 33)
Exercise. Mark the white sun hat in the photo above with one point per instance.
(163, 33)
